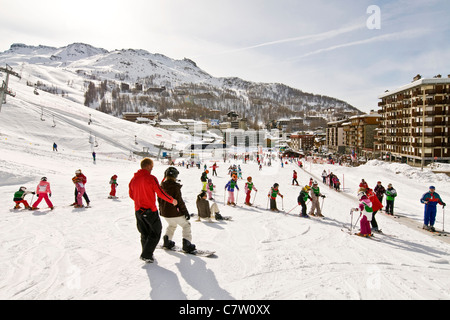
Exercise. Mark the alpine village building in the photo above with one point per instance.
(414, 125)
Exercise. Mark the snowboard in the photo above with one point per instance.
(196, 252)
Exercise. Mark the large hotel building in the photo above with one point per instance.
(414, 124)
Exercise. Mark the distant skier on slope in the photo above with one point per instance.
(431, 199)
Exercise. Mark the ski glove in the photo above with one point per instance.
(187, 216)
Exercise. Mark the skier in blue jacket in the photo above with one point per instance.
(431, 200)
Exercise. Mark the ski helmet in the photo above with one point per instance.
(44, 179)
(361, 194)
(249, 179)
(171, 172)
(23, 189)
(276, 185)
(78, 171)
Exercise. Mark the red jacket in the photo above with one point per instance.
(142, 189)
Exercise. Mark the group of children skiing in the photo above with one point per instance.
(43, 192)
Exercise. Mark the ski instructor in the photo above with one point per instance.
(142, 189)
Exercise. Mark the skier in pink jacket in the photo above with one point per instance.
(43, 191)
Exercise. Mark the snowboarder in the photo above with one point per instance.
(230, 186)
(175, 215)
(43, 191)
(365, 206)
(314, 196)
(391, 193)
(210, 189)
(431, 199)
(142, 189)
(294, 178)
(274, 192)
(114, 184)
(19, 197)
(249, 186)
(80, 176)
(204, 211)
(302, 199)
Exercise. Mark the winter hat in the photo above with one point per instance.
(22, 189)
(432, 187)
(78, 171)
(44, 179)
(276, 185)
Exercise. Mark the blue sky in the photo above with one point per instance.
(322, 47)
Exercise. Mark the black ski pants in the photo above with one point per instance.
(85, 196)
(150, 227)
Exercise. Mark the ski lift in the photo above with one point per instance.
(42, 114)
(54, 123)
(95, 142)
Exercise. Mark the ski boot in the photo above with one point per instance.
(188, 246)
(169, 244)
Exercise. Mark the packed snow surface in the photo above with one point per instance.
(93, 253)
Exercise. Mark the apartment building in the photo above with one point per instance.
(359, 134)
(415, 126)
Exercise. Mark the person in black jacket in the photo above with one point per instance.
(175, 215)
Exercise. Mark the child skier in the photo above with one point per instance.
(391, 193)
(302, 199)
(314, 196)
(43, 191)
(210, 188)
(274, 192)
(79, 186)
(230, 188)
(365, 206)
(248, 190)
(19, 197)
(430, 199)
(114, 184)
(204, 179)
(82, 177)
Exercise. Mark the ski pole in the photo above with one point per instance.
(293, 208)
(267, 206)
(443, 218)
(282, 204)
(321, 207)
(357, 221)
(254, 197)
(351, 221)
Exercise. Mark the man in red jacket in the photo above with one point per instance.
(142, 189)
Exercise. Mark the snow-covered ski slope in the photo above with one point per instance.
(261, 255)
